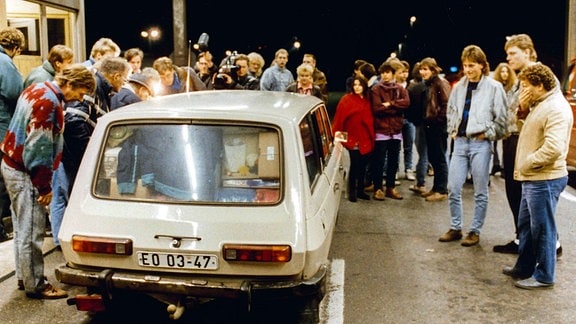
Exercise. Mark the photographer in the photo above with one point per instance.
(233, 74)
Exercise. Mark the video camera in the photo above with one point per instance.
(227, 68)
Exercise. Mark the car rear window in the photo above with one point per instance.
(203, 163)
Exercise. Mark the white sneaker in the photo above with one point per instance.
(410, 175)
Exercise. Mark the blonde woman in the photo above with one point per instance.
(505, 75)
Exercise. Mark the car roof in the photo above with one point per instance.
(238, 104)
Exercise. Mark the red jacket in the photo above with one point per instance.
(354, 115)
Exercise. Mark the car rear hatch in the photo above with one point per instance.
(186, 198)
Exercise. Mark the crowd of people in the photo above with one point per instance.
(41, 157)
(454, 127)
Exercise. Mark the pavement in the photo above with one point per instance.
(7, 256)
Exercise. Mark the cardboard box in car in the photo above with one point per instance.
(269, 157)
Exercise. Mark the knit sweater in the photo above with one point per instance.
(33, 142)
(544, 140)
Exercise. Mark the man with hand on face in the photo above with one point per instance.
(541, 169)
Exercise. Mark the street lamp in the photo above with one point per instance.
(151, 34)
(296, 44)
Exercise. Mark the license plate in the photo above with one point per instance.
(178, 261)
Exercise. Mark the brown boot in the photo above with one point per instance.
(471, 239)
(379, 195)
(451, 235)
(393, 193)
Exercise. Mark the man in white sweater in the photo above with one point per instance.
(541, 168)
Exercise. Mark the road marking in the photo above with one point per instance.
(332, 306)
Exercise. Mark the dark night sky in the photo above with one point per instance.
(340, 33)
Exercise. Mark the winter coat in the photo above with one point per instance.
(44, 72)
(544, 140)
(10, 89)
(389, 120)
(437, 93)
(354, 116)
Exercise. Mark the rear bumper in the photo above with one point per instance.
(250, 290)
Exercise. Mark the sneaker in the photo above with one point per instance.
(49, 292)
(451, 235)
(369, 188)
(533, 284)
(559, 251)
(410, 175)
(393, 193)
(495, 169)
(417, 189)
(510, 248)
(379, 195)
(437, 197)
(471, 239)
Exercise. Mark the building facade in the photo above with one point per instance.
(45, 24)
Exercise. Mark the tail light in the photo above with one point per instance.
(258, 253)
(106, 245)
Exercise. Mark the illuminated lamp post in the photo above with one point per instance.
(151, 35)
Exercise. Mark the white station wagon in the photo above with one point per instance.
(205, 195)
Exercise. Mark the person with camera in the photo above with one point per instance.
(235, 75)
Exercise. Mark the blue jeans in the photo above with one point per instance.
(474, 157)
(29, 222)
(408, 136)
(59, 201)
(422, 149)
(537, 228)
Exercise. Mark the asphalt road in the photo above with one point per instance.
(387, 267)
